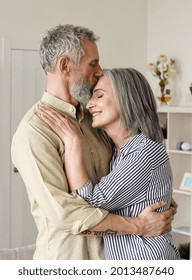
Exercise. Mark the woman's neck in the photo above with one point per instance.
(119, 136)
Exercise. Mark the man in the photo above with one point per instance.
(70, 58)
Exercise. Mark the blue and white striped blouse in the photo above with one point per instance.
(140, 176)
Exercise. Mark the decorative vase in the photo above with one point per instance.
(164, 100)
(164, 94)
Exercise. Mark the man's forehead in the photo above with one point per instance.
(91, 50)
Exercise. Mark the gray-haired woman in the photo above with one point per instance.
(123, 105)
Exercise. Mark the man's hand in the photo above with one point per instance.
(152, 223)
(148, 223)
(174, 206)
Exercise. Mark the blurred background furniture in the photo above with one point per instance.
(20, 253)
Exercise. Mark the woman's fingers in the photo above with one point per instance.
(52, 117)
(60, 124)
(50, 112)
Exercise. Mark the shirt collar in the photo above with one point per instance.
(62, 106)
(136, 141)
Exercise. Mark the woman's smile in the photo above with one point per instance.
(94, 114)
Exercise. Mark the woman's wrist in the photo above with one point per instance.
(74, 165)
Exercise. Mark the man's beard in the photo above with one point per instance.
(81, 92)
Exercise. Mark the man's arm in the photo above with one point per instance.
(148, 223)
(37, 152)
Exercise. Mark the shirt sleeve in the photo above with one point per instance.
(38, 157)
(124, 186)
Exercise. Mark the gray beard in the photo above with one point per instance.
(81, 92)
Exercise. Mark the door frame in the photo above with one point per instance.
(6, 166)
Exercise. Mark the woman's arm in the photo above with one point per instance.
(73, 159)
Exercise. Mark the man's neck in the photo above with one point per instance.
(57, 88)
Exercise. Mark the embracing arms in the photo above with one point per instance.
(148, 223)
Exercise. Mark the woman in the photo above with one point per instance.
(123, 105)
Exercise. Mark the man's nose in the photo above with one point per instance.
(99, 71)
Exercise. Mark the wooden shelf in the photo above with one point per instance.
(177, 125)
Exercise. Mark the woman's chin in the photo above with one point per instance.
(96, 125)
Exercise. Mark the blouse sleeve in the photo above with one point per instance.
(125, 185)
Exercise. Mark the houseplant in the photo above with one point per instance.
(163, 69)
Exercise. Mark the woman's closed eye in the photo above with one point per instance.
(97, 93)
(100, 95)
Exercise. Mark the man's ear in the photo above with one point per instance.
(64, 64)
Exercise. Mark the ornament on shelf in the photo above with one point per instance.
(184, 146)
(163, 69)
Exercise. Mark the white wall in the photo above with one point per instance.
(169, 31)
(121, 25)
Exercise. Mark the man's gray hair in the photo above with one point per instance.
(63, 40)
(136, 102)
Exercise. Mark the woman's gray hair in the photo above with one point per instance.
(63, 40)
(136, 102)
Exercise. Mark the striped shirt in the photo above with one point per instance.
(140, 176)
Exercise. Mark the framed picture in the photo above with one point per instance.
(186, 183)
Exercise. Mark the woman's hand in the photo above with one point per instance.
(61, 125)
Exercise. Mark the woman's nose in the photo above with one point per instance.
(90, 104)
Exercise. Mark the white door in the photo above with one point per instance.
(26, 86)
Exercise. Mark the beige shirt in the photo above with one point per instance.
(37, 153)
